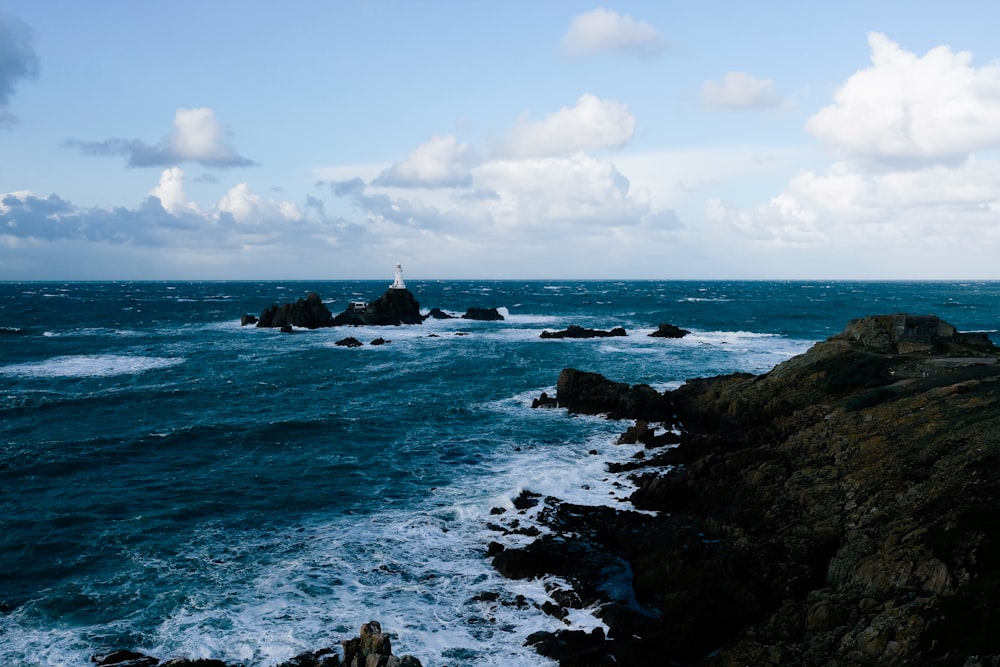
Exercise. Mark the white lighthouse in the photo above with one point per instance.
(398, 282)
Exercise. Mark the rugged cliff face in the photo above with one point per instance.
(843, 509)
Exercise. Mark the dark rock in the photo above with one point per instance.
(669, 331)
(287, 328)
(591, 393)
(247, 319)
(544, 401)
(380, 341)
(573, 648)
(124, 659)
(574, 331)
(483, 314)
(326, 657)
(308, 312)
(526, 500)
(350, 341)
(396, 306)
(438, 314)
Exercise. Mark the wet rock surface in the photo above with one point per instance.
(842, 509)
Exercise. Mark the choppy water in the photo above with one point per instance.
(174, 483)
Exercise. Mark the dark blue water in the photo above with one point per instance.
(174, 483)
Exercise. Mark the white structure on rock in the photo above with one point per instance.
(398, 282)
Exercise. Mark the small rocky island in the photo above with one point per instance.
(395, 307)
(841, 510)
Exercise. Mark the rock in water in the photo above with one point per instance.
(308, 312)
(575, 331)
(669, 331)
(594, 394)
(396, 306)
(483, 314)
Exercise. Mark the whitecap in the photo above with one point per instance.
(89, 365)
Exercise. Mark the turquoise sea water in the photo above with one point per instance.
(174, 483)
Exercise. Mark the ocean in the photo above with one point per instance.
(176, 484)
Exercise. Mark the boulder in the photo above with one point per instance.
(669, 331)
(574, 331)
(483, 314)
(350, 341)
(246, 319)
(308, 312)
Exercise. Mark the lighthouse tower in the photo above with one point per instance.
(398, 282)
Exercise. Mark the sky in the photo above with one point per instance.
(331, 139)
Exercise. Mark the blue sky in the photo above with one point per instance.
(329, 140)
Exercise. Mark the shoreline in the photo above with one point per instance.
(841, 509)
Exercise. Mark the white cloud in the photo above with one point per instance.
(739, 90)
(198, 136)
(441, 161)
(607, 31)
(201, 137)
(247, 207)
(170, 190)
(910, 108)
(592, 124)
(538, 191)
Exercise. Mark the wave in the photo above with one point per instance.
(89, 365)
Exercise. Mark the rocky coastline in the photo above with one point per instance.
(841, 510)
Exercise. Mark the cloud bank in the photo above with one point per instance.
(907, 132)
(198, 136)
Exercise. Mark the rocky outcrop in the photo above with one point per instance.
(669, 331)
(483, 314)
(396, 306)
(309, 312)
(591, 393)
(842, 509)
(372, 648)
(574, 331)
